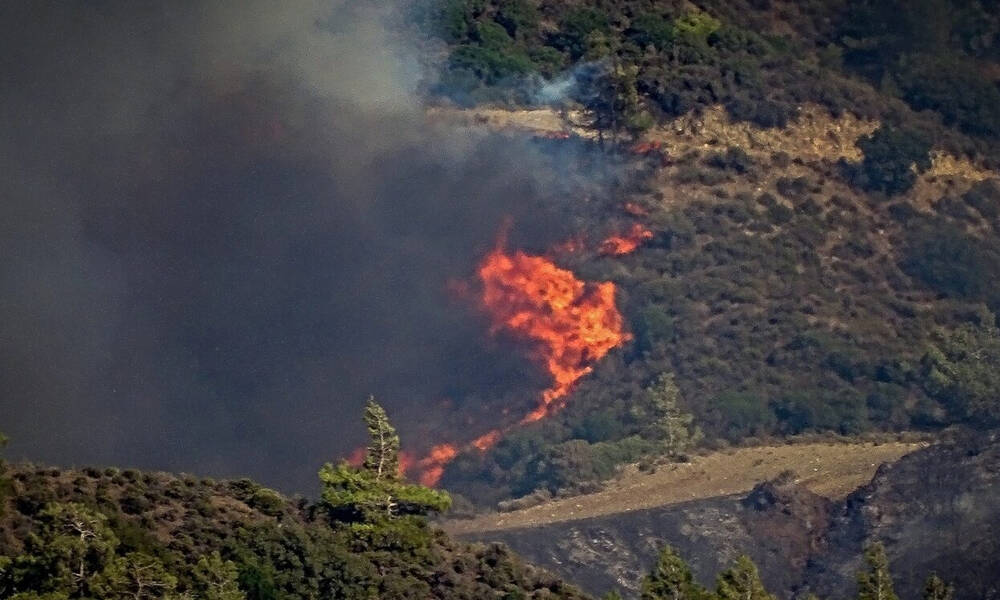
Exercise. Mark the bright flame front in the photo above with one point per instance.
(572, 324)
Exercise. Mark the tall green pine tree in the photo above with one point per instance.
(382, 456)
(667, 422)
(671, 579)
(376, 491)
(741, 582)
(937, 589)
(875, 583)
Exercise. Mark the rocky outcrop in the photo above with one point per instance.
(778, 524)
(935, 510)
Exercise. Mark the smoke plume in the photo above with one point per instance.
(225, 224)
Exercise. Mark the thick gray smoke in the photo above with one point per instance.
(224, 224)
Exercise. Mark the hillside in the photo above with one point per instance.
(785, 298)
(816, 190)
(152, 533)
(932, 509)
(830, 470)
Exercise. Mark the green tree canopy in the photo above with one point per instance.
(893, 158)
(70, 549)
(875, 582)
(377, 490)
(216, 579)
(741, 582)
(671, 579)
(666, 421)
(962, 369)
(937, 589)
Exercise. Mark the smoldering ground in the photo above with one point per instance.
(222, 228)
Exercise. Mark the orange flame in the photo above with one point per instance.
(357, 456)
(618, 245)
(433, 464)
(487, 440)
(572, 324)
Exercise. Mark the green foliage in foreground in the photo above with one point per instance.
(671, 579)
(127, 535)
(377, 491)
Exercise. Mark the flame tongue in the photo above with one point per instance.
(618, 245)
(573, 324)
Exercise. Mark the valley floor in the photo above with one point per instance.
(829, 469)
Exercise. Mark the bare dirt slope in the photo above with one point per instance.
(829, 469)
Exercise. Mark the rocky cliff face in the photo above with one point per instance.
(935, 510)
(779, 525)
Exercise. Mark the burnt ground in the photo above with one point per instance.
(934, 509)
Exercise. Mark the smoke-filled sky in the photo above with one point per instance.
(224, 224)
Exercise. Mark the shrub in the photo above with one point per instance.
(893, 158)
(953, 262)
(576, 26)
(985, 198)
(651, 30)
(267, 501)
(519, 17)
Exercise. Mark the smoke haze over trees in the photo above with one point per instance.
(224, 227)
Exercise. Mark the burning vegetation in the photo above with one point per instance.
(617, 245)
(572, 324)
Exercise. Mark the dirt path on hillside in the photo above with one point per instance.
(832, 470)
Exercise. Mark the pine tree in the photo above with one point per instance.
(875, 583)
(135, 576)
(216, 579)
(376, 491)
(937, 589)
(741, 582)
(382, 456)
(668, 423)
(671, 579)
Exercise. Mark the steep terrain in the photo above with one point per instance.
(783, 297)
(832, 470)
(933, 509)
(816, 187)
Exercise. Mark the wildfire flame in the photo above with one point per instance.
(572, 324)
(487, 440)
(618, 245)
(432, 467)
(406, 460)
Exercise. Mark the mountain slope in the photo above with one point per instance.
(932, 509)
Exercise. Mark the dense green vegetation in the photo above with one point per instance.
(933, 54)
(108, 534)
